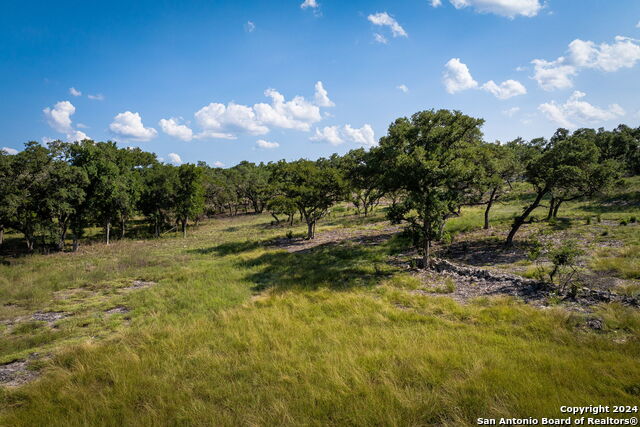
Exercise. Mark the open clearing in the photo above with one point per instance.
(238, 324)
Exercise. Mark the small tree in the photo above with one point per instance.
(156, 199)
(430, 158)
(189, 195)
(561, 164)
(498, 167)
(364, 178)
(313, 187)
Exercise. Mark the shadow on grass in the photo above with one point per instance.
(229, 248)
(337, 266)
(487, 251)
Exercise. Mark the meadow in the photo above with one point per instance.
(233, 325)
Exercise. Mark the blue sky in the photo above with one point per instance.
(229, 81)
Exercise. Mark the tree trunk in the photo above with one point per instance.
(310, 229)
(291, 218)
(30, 243)
(517, 223)
(107, 230)
(156, 227)
(552, 204)
(184, 227)
(1, 234)
(557, 207)
(486, 211)
(63, 237)
(276, 218)
(123, 223)
(76, 243)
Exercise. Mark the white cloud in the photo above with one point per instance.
(330, 134)
(295, 114)
(511, 111)
(173, 128)
(74, 92)
(507, 8)
(506, 89)
(59, 118)
(336, 135)
(224, 121)
(10, 151)
(217, 119)
(322, 96)
(129, 125)
(384, 19)
(576, 111)
(623, 53)
(638, 24)
(261, 143)
(77, 135)
(363, 136)
(218, 164)
(457, 77)
(403, 88)
(551, 75)
(436, 3)
(380, 38)
(96, 97)
(309, 3)
(174, 158)
(250, 26)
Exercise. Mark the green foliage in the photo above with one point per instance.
(430, 157)
(313, 187)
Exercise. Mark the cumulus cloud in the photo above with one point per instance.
(322, 96)
(403, 88)
(506, 89)
(436, 3)
(173, 128)
(225, 121)
(174, 158)
(385, 20)
(330, 134)
(10, 151)
(507, 8)
(624, 52)
(457, 76)
(129, 126)
(295, 114)
(576, 111)
(218, 164)
(309, 3)
(336, 135)
(96, 97)
(363, 135)
(59, 118)
(261, 143)
(216, 119)
(380, 38)
(552, 75)
(74, 92)
(250, 27)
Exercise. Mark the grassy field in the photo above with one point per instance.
(239, 331)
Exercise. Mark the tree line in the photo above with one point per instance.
(427, 167)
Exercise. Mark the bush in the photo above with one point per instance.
(633, 220)
(623, 222)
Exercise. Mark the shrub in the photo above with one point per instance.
(623, 222)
